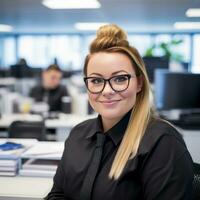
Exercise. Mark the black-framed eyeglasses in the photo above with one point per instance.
(118, 83)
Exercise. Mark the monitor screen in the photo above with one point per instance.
(153, 63)
(176, 90)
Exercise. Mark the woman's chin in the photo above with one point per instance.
(111, 114)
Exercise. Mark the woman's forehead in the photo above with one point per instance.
(104, 62)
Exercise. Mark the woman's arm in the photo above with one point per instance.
(168, 172)
(56, 192)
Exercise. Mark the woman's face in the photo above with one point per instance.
(112, 105)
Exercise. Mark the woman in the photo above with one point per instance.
(143, 157)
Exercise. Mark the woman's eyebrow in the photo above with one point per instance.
(120, 71)
(114, 73)
(96, 74)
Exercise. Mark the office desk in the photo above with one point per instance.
(63, 124)
(64, 120)
(7, 119)
(24, 188)
(31, 187)
(8, 81)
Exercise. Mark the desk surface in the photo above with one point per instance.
(64, 121)
(29, 188)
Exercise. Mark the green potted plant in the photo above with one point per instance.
(166, 48)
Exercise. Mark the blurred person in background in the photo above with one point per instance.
(50, 89)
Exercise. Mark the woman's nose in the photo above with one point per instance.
(108, 89)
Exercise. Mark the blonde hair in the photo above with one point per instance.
(111, 38)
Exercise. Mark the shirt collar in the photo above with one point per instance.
(96, 127)
(116, 133)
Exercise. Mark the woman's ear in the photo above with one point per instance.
(139, 83)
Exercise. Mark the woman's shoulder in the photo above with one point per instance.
(86, 123)
(84, 129)
(161, 127)
(160, 130)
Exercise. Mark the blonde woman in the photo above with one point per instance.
(141, 156)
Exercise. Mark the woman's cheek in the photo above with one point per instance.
(92, 99)
(127, 94)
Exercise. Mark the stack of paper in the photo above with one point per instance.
(10, 157)
(42, 159)
(49, 150)
(39, 167)
(8, 167)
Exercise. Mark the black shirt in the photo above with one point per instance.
(52, 96)
(161, 170)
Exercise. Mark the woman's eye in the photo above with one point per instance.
(96, 80)
(119, 79)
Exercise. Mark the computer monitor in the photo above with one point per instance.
(153, 63)
(19, 71)
(4, 72)
(177, 90)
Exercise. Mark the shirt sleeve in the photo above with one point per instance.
(168, 171)
(57, 192)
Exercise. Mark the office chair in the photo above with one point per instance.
(196, 181)
(27, 129)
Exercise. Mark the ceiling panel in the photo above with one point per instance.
(133, 15)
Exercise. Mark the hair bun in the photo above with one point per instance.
(109, 36)
(111, 31)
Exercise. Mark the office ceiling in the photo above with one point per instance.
(133, 15)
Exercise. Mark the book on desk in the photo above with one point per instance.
(42, 159)
(8, 167)
(33, 159)
(10, 154)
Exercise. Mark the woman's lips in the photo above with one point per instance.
(109, 102)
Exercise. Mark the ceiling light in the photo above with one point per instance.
(5, 28)
(89, 26)
(187, 25)
(71, 4)
(193, 12)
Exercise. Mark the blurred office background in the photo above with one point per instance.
(43, 32)
(166, 33)
(40, 34)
